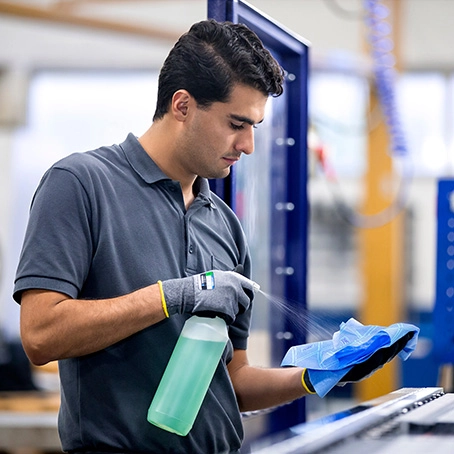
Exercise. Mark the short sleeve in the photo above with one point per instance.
(58, 247)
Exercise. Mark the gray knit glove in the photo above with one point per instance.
(214, 293)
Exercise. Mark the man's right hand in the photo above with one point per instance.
(214, 293)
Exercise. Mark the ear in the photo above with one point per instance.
(181, 101)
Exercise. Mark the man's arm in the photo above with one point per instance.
(54, 326)
(257, 388)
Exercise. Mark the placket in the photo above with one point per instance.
(193, 255)
(191, 244)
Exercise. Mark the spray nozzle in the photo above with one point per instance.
(240, 270)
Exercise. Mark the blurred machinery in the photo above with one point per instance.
(270, 195)
(443, 314)
(416, 420)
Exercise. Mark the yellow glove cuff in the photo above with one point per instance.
(163, 300)
(306, 384)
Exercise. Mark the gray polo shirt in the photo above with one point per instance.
(105, 223)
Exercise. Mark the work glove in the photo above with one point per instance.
(355, 352)
(376, 361)
(365, 369)
(214, 293)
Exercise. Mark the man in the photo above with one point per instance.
(106, 225)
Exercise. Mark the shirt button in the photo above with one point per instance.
(191, 249)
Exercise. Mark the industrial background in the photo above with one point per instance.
(75, 74)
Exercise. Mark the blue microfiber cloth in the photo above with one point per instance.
(328, 361)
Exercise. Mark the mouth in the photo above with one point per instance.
(231, 160)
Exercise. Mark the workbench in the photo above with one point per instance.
(410, 420)
(28, 422)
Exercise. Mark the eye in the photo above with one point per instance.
(239, 127)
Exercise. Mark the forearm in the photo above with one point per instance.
(258, 388)
(54, 326)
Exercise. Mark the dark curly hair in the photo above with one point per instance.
(210, 59)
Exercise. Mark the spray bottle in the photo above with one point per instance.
(188, 374)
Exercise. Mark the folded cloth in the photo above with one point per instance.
(328, 362)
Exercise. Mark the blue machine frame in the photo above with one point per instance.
(443, 315)
(289, 203)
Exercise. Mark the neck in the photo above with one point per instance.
(188, 197)
(161, 143)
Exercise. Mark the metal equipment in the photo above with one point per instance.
(443, 315)
(268, 191)
(410, 420)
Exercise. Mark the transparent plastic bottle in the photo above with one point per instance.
(188, 374)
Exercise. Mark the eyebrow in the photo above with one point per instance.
(244, 119)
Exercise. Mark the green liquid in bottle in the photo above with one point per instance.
(184, 384)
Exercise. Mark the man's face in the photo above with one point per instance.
(216, 137)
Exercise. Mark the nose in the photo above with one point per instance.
(245, 141)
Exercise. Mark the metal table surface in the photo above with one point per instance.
(410, 420)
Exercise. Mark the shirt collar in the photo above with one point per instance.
(149, 171)
(141, 162)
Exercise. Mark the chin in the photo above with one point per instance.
(219, 175)
(226, 173)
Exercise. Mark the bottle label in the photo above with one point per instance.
(206, 281)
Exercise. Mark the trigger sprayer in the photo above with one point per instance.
(189, 372)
